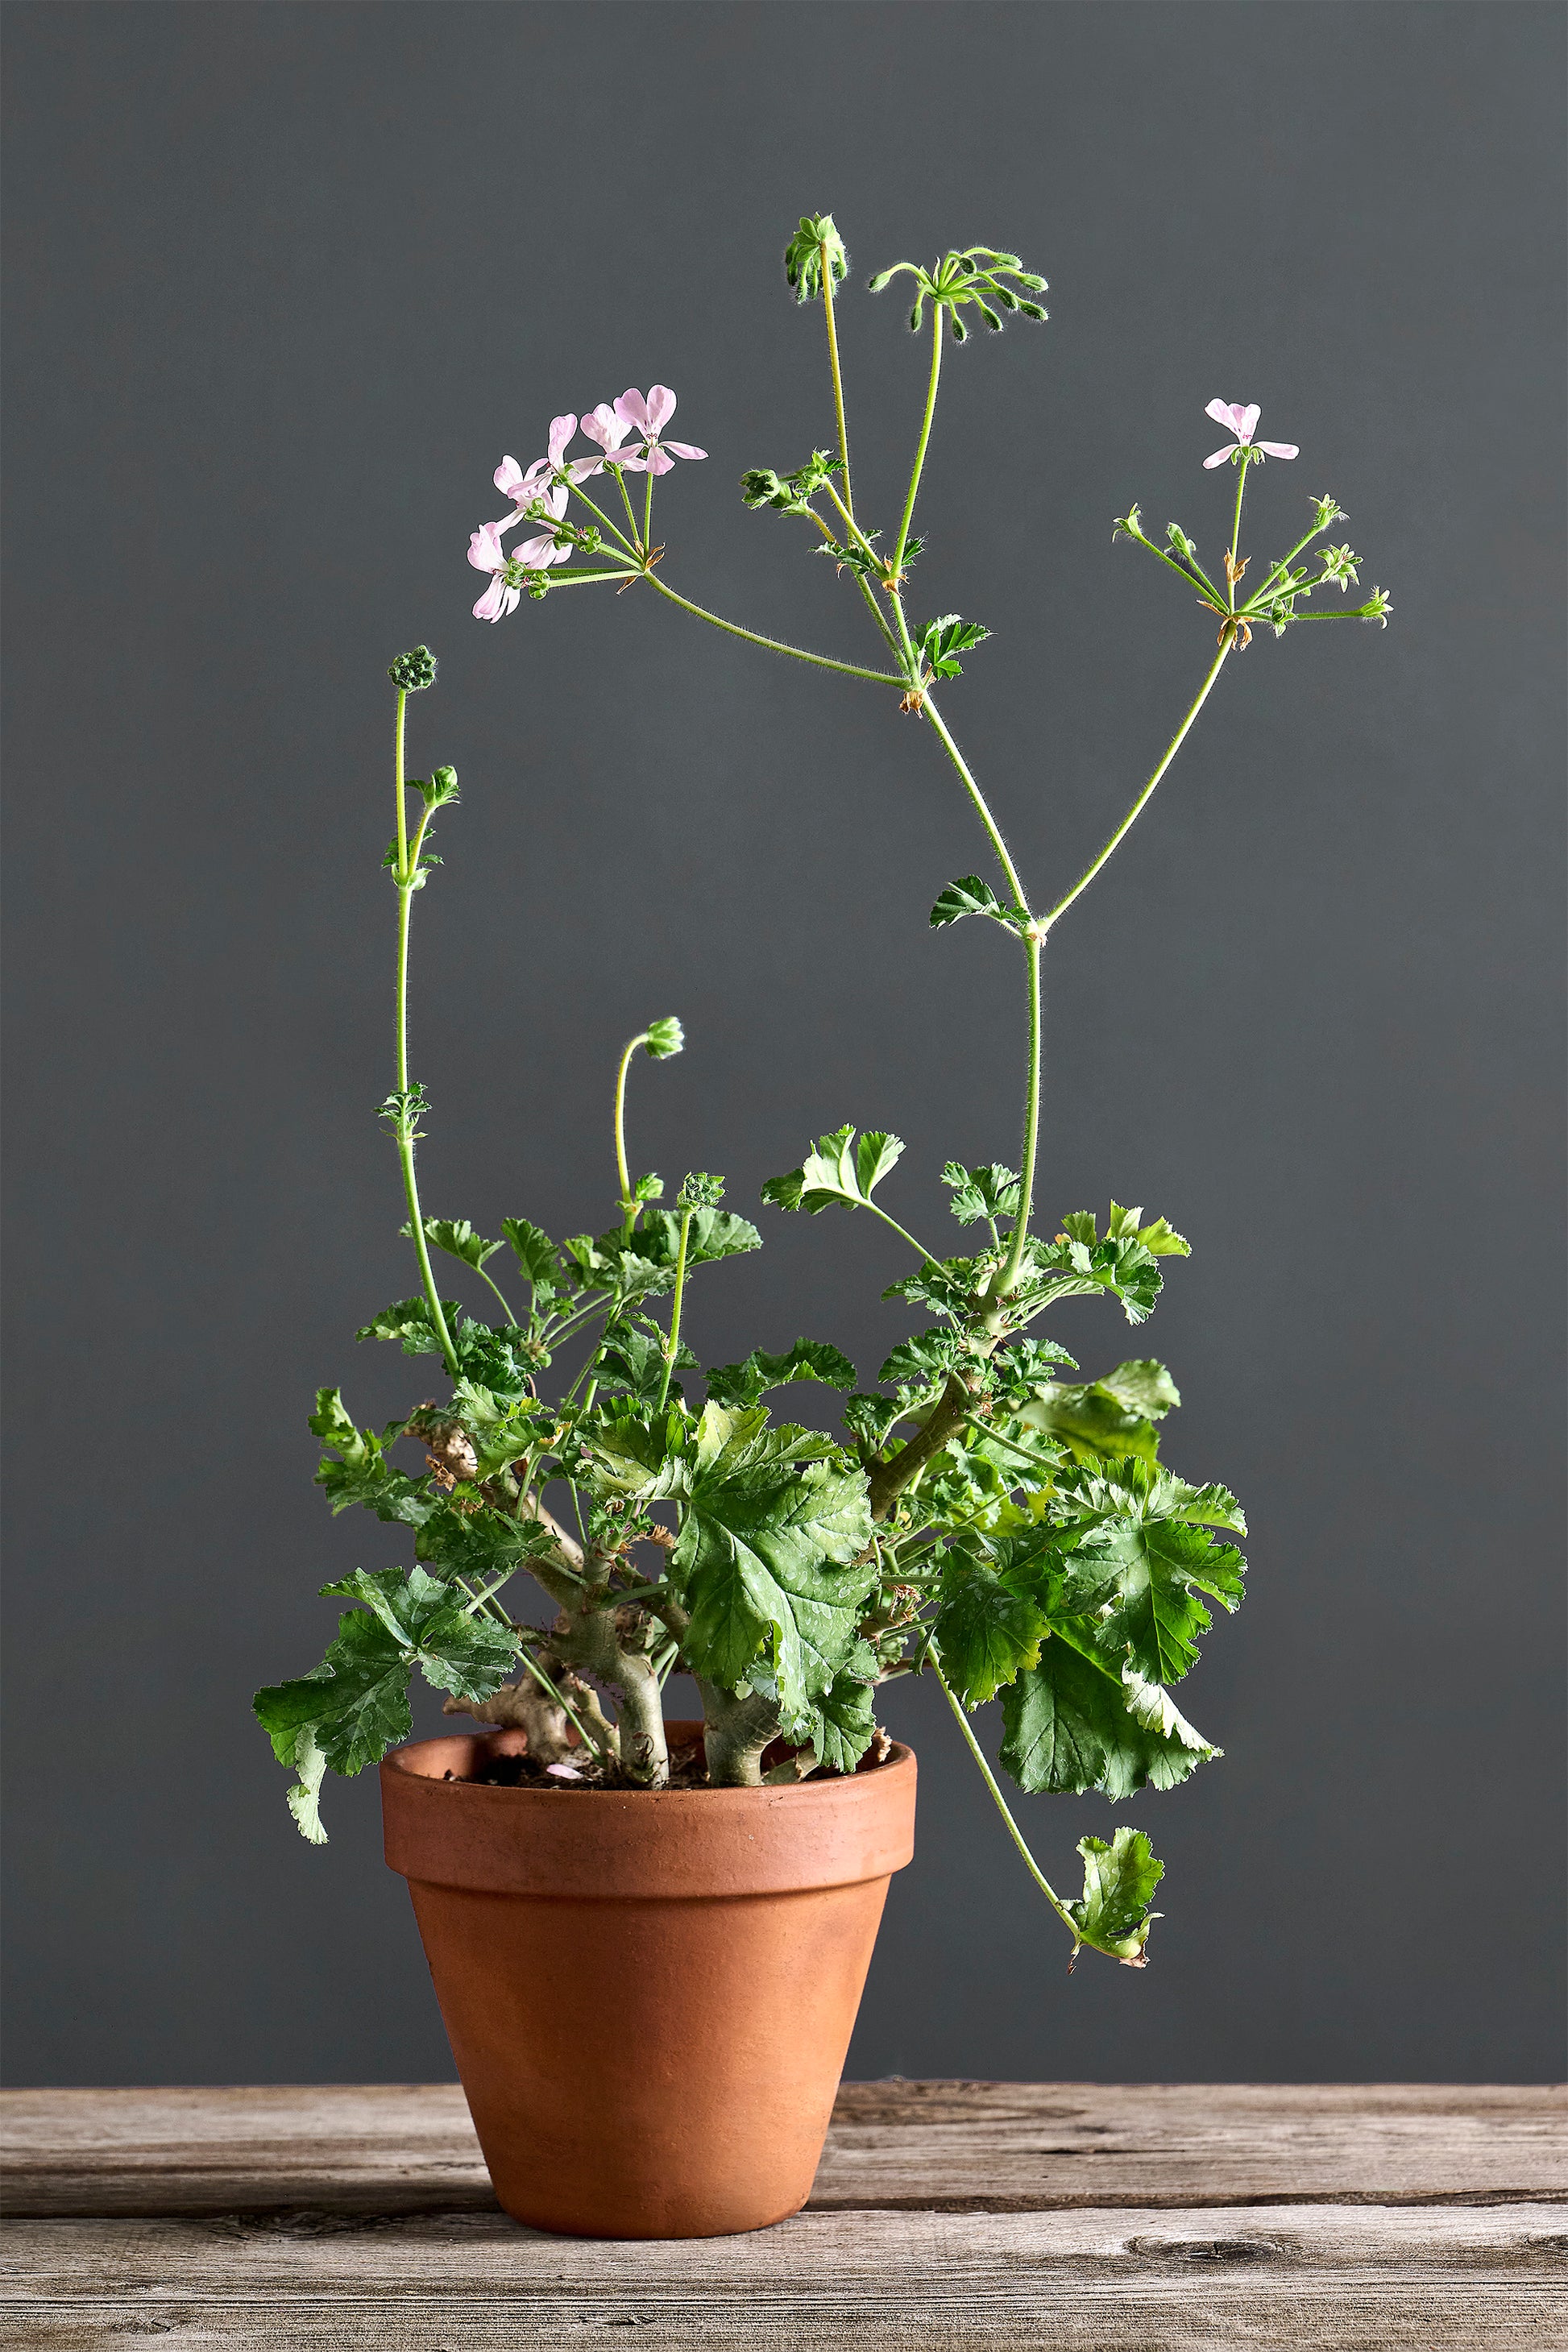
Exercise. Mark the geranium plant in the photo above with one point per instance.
(987, 1515)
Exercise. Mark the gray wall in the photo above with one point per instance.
(285, 282)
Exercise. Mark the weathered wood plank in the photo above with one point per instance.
(1316, 2278)
(975, 2146)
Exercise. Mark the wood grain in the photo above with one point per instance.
(1376, 2279)
(952, 2146)
(1079, 2217)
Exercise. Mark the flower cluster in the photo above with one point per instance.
(539, 493)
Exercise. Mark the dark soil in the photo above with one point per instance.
(688, 1769)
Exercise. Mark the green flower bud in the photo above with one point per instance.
(664, 1038)
(412, 672)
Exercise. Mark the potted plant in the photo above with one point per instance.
(649, 1938)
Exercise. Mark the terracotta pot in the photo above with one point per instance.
(648, 1995)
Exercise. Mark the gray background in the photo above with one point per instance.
(285, 283)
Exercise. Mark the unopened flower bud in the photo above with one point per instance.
(412, 672)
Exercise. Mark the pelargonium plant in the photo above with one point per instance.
(985, 1516)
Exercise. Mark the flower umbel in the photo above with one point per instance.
(1243, 423)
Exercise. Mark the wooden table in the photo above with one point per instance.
(1165, 2218)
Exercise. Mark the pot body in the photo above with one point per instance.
(648, 1993)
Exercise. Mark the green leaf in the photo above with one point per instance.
(971, 896)
(1119, 1882)
(304, 1800)
(457, 1238)
(943, 640)
(1111, 1417)
(1073, 1724)
(840, 1168)
(988, 1626)
(408, 1319)
(979, 1192)
(1075, 1264)
(1143, 1566)
(763, 1557)
(355, 1704)
(534, 1251)
(631, 1359)
(870, 1420)
(950, 1284)
(922, 1362)
(840, 1725)
(354, 1468)
(808, 1360)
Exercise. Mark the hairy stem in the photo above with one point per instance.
(1033, 946)
(672, 1345)
(1227, 639)
(1013, 1832)
(992, 830)
(628, 1206)
(771, 644)
(407, 867)
(838, 382)
(924, 439)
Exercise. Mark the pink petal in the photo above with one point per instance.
(630, 461)
(489, 607)
(632, 409)
(1223, 413)
(658, 460)
(661, 407)
(563, 1771)
(562, 428)
(603, 426)
(1279, 448)
(582, 470)
(537, 554)
(485, 550)
(509, 477)
(685, 449)
(1220, 456)
(1247, 422)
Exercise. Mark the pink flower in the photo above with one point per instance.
(601, 425)
(1243, 423)
(486, 553)
(537, 554)
(513, 483)
(645, 418)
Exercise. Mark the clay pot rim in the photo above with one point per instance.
(899, 1760)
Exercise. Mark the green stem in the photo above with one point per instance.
(614, 528)
(919, 1247)
(628, 1206)
(773, 645)
(500, 1294)
(854, 527)
(402, 832)
(620, 474)
(1227, 639)
(1009, 1275)
(925, 437)
(1236, 532)
(673, 1346)
(405, 880)
(648, 513)
(1035, 1872)
(838, 384)
(934, 717)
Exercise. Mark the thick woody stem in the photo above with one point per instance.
(736, 1731)
(887, 1480)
